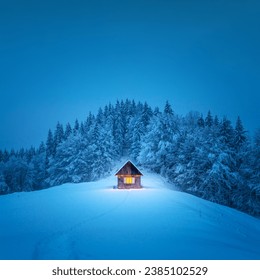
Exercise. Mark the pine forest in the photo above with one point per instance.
(205, 156)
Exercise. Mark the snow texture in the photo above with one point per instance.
(94, 221)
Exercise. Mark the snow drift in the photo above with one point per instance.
(95, 221)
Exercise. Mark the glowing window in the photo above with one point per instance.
(129, 180)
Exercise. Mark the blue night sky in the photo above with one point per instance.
(61, 59)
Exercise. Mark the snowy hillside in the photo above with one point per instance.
(207, 157)
(95, 221)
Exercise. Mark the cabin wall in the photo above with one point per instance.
(122, 185)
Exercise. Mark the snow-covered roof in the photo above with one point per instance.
(128, 169)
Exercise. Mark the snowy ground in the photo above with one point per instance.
(95, 221)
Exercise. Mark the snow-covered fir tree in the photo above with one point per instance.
(207, 157)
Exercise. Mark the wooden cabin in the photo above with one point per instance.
(128, 177)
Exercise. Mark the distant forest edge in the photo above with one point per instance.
(207, 157)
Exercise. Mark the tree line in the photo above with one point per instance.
(205, 156)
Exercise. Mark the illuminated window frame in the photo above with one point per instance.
(129, 180)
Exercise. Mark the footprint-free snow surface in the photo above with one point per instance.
(94, 221)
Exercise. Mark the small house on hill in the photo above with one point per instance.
(128, 177)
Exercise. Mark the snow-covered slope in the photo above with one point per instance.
(95, 221)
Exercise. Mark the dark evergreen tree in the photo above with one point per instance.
(15, 175)
(239, 134)
(58, 134)
(118, 130)
(209, 119)
(4, 188)
(168, 108)
(50, 145)
(146, 115)
(68, 131)
(12, 153)
(201, 122)
(76, 127)
(41, 149)
(100, 117)
(88, 123)
(6, 156)
(216, 121)
(29, 154)
(135, 133)
(227, 133)
(254, 195)
(82, 129)
(21, 153)
(149, 146)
